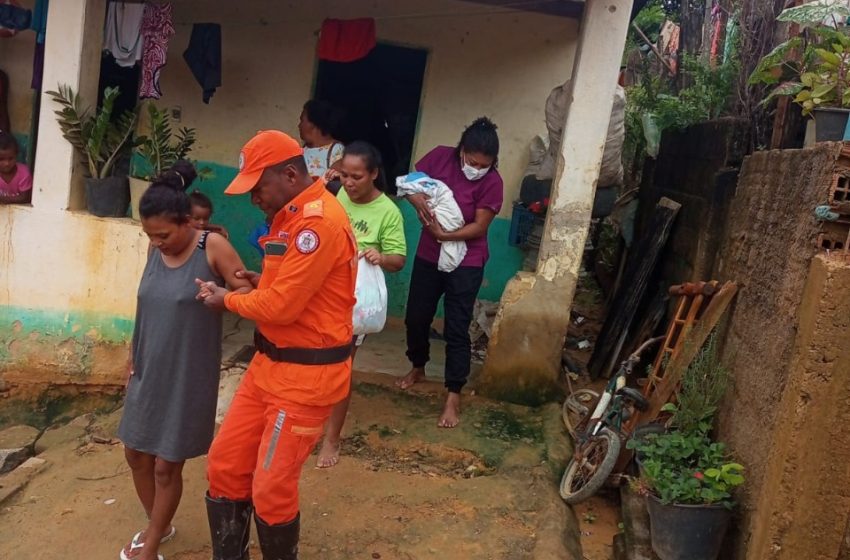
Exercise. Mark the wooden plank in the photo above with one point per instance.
(694, 340)
(642, 261)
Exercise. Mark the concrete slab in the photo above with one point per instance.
(16, 444)
(16, 480)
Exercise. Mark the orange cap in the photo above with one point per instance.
(267, 148)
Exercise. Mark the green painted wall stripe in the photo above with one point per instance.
(63, 325)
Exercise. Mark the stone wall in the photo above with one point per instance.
(771, 238)
(804, 504)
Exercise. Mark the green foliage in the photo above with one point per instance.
(812, 67)
(688, 468)
(707, 97)
(685, 466)
(163, 147)
(703, 386)
(98, 139)
(814, 13)
(649, 20)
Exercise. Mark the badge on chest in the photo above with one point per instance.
(275, 248)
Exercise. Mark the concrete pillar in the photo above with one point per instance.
(524, 355)
(804, 505)
(71, 57)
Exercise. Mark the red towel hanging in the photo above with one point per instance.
(346, 40)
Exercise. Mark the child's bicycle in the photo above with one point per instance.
(599, 436)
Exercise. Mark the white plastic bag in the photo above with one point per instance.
(370, 311)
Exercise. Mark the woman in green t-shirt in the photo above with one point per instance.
(379, 229)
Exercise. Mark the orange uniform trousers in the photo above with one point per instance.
(260, 449)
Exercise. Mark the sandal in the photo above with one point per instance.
(163, 540)
(136, 546)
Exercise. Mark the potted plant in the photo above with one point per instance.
(100, 141)
(688, 481)
(157, 152)
(686, 476)
(813, 67)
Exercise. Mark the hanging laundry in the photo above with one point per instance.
(346, 40)
(157, 30)
(13, 18)
(4, 103)
(39, 25)
(203, 55)
(123, 32)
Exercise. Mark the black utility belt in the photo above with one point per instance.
(302, 356)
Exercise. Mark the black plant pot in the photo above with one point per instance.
(108, 198)
(830, 124)
(687, 532)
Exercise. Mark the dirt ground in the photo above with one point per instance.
(404, 489)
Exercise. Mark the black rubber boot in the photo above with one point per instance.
(230, 528)
(279, 542)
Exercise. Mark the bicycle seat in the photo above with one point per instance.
(635, 396)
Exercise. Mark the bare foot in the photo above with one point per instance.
(451, 412)
(412, 378)
(328, 454)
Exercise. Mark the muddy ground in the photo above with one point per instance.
(404, 489)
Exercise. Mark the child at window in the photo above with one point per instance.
(201, 212)
(15, 178)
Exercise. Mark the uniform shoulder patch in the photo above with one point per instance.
(307, 241)
(314, 208)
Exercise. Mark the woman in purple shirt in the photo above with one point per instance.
(469, 170)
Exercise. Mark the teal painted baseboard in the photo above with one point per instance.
(20, 322)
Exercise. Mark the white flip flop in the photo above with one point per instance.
(137, 546)
(163, 540)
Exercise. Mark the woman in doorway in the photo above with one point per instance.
(317, 125)
(169, 410)
(379, 229)
(469, 170)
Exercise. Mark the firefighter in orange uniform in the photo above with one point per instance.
(302, 306)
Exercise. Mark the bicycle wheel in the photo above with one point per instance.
(590, 467)
(576, 408)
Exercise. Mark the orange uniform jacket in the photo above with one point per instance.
(305, 298)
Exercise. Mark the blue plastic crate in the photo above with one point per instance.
(522, 222)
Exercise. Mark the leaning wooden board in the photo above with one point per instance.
(630, 293)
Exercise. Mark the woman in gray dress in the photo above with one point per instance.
(169, 410)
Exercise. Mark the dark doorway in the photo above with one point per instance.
(126, 79)
(380, 95)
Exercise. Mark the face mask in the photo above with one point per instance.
(472, 173)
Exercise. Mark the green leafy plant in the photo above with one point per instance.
(813, 67)
(97, 138)
(162, 147)
(654, 101)
(703, 386)
(687, 468)
(649, 20)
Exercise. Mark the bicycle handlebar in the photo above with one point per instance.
(635, 356)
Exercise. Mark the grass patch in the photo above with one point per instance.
(504, 425)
